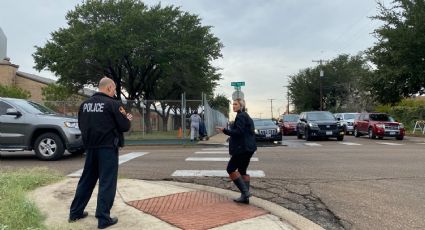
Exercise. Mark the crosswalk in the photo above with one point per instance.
(212, 155)
(122, 159)
(315, 144)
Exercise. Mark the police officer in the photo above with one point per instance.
(102, 121)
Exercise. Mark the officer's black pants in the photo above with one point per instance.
(100, 164)
(239, 162)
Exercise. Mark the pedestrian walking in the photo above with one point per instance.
(241, 148)
(102, 121)
(195, 119)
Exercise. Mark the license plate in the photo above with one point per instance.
(268, 135)
(328, 132)
(392, 133)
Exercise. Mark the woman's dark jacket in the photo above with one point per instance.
(242, 135)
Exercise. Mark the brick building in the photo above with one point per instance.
(10, 76)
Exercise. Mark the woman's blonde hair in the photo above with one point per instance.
(241, 103)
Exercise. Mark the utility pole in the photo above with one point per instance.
(322, 74)
(287, 97)
(271, 106)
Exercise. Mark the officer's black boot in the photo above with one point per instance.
(240, 183)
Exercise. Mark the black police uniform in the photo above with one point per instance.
(102, 121)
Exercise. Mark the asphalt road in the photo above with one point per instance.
(355, 184)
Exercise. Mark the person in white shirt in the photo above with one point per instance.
(195, 119)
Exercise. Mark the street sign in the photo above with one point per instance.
(237, 83)
(237, 94)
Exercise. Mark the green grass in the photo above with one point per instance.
(152, 136)
(16, 211)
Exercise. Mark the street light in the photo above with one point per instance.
(271, 107)
(322, 73)
(287, 97)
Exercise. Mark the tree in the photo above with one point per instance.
(399, 54)
(60, 97)
(144, 50)
(220, 103)
(342, 85)
(14, 92)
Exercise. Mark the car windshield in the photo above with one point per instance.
(32, 107)
(320, 116)
(380, 117)
(264, 123)
(348, 116)
(290, 118)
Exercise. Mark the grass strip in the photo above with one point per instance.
(16, 211)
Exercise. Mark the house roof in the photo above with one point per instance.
(35, 77)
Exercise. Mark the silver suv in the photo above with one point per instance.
(347, 121)
(26, 125)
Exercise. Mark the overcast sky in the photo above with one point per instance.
(264, 40)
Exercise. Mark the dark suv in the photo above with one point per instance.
(26, 125)
(378, 125)
(319, 124)
(266, 130)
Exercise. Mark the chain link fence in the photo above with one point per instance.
(157, 119)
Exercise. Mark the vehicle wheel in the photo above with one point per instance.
(371, 134)
(399, 138)
(356, 132)
(299, 135)
(380, 137)
(49, 146)
(307, 135)
(77, 152)
(340, 138)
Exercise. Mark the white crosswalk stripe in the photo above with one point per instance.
(214, 159)
(122, 159)
(212, 152)
(388, 143)
(213, 173)
(349, 143)
(312, 144)
(216, 149)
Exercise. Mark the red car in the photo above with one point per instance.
(378, 125)
(288, 124)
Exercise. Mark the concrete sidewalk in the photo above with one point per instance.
(168, 205)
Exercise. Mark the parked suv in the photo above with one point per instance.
(319, 124)
(288, 124)
(25, 125)
(378, 125)
(347, 121)
(266, 130)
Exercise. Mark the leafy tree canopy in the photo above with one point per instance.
(399, 54)
(342, 85)
(151, 53)
(220, 103)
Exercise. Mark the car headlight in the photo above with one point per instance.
(71, 124)
(401, 126)
(313, 125)
(278, 130)
(382, 126)
(256, 131)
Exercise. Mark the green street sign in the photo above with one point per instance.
(237, 83)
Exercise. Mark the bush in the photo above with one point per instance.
(407, 111)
